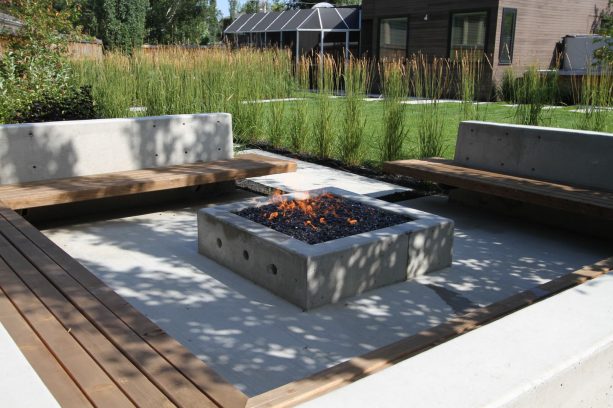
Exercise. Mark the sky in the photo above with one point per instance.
(222, 5)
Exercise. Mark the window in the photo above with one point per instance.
(468, 32)
(393, 34)
(507, 35)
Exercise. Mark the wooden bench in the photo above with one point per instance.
(564, 170)
(89, 346)
(74, 189)
(553, 195)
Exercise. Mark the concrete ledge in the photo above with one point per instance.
(42, 151)
(556, 353)
(561, 155)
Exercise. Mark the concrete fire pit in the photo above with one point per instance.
(314, 275)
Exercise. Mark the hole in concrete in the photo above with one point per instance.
(467, 158)
(153, 125)
(219, 149)
(183, 123)
(533, 169)
(186, 152)
(502, 164)
(272, 268)
(157, 155)
(30, 134)
(246, 255)
(33, 167)
(219, 243)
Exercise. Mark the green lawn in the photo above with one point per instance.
(373, 113)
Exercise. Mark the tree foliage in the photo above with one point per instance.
(605, 28)
(121, 23)
(34, 67)
(292, 4)
(183, 22)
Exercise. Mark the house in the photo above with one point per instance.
(511, 33)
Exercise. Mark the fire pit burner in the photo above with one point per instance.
(400, 243)
(321, 218)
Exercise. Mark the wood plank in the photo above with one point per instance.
(352, 370)
(128, 378)
(52, 374)
(194, 369)
(563, 197)
(162, 374)
(61, 191)
(99, 388)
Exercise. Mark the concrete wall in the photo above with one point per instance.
(42, 151)
(567, 156)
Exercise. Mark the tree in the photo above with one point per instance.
(35, 76)
(121, 23)
(183, 21)
(250, 6)
(296, 4)
(605, 28)
(277, 5)
(233, 6)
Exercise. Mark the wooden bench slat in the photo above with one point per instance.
(563, 197)
(61, 191)
(300, 391)
(162, 374)
(91, 379)
(194, 369)
(53, 375)
(130, 380)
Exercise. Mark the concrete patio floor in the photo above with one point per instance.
(258, 341)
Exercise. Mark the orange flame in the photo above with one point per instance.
(313, 207)
(310, 224)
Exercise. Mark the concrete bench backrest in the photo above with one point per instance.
(565, 156)
(42, 151)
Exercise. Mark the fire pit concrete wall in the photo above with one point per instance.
(314, 275)
(42, 151)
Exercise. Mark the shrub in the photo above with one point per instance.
(430, 82)
(76, 104)
(469, 67)
(533, 92)
(506, 90)
(596, 98)
(323, 130)
(351, 141)
(395, 89)
(34, 68)
(299, 124)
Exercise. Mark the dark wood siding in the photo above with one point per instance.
(430, 37)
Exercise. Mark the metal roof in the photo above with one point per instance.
(317, 19)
